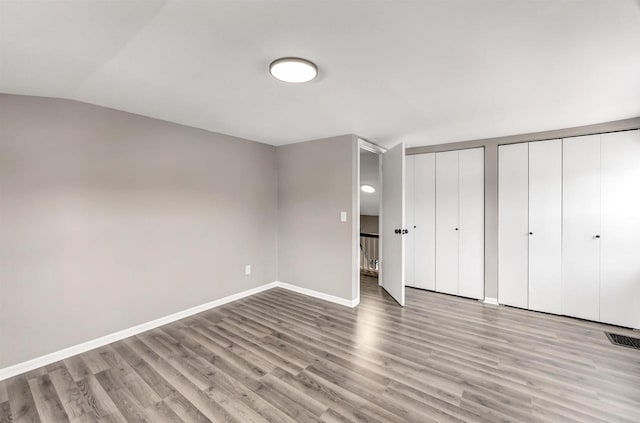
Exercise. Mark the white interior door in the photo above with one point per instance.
(392, 260)
(447, 222)
(471, 223)
(620, 243)
(545, 226)
(409, 210)
(581, 227)
(424, 230)
(513, 226)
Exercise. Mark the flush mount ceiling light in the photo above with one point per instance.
(293, 69)
(368, 189)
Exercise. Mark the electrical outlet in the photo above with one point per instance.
(247, 269)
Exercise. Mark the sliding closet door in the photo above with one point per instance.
(513, 225)
(471, 223)
(545, 226)
(620, 283)
(410, 218)
(581, 227)
(424, 230)
(447, 222)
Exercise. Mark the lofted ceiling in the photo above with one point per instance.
(423, 72)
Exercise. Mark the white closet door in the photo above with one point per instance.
(620, 243)
(545, 226)
(409, 244)
(513, 225)
(447, 222)
(471, 223)
(581, 227)
(424, 221)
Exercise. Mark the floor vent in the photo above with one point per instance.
(625, 341)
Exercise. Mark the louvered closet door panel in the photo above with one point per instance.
(425, 221)
(545, 223)
(447, 222)
(620, 242)
(410, 218)
(580, 225)
(513, 225)
(471, 223)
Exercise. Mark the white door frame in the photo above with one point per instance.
(368, 146)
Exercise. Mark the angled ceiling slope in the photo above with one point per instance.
(425, 72)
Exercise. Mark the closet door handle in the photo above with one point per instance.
(456, 229)
(597, 236)
(530, 233)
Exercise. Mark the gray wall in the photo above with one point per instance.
(109, 220)
(316, 182)
(369, 224)
(491, 180)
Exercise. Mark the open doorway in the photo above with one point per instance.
(380, 243)
(379, 239)
(369, 192)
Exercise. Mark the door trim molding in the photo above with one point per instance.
(369, 146)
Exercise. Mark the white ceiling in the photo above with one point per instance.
(369, 175)
(424, 72)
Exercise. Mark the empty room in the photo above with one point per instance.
(328, 211)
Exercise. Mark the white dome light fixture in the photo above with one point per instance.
(368, 189)
(293, 69)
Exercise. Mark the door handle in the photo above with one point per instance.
(405, 231)
(397, 231)
(530, 233)
(456, 229)
(597, 236)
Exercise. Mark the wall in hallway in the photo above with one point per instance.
(369, 224)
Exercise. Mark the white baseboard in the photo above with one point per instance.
(44, 360)
(320, 295)
(489, 300)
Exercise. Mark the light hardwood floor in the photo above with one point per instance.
(283, 357)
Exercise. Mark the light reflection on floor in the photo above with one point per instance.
(368, 319)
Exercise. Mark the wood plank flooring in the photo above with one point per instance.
(283, 357)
